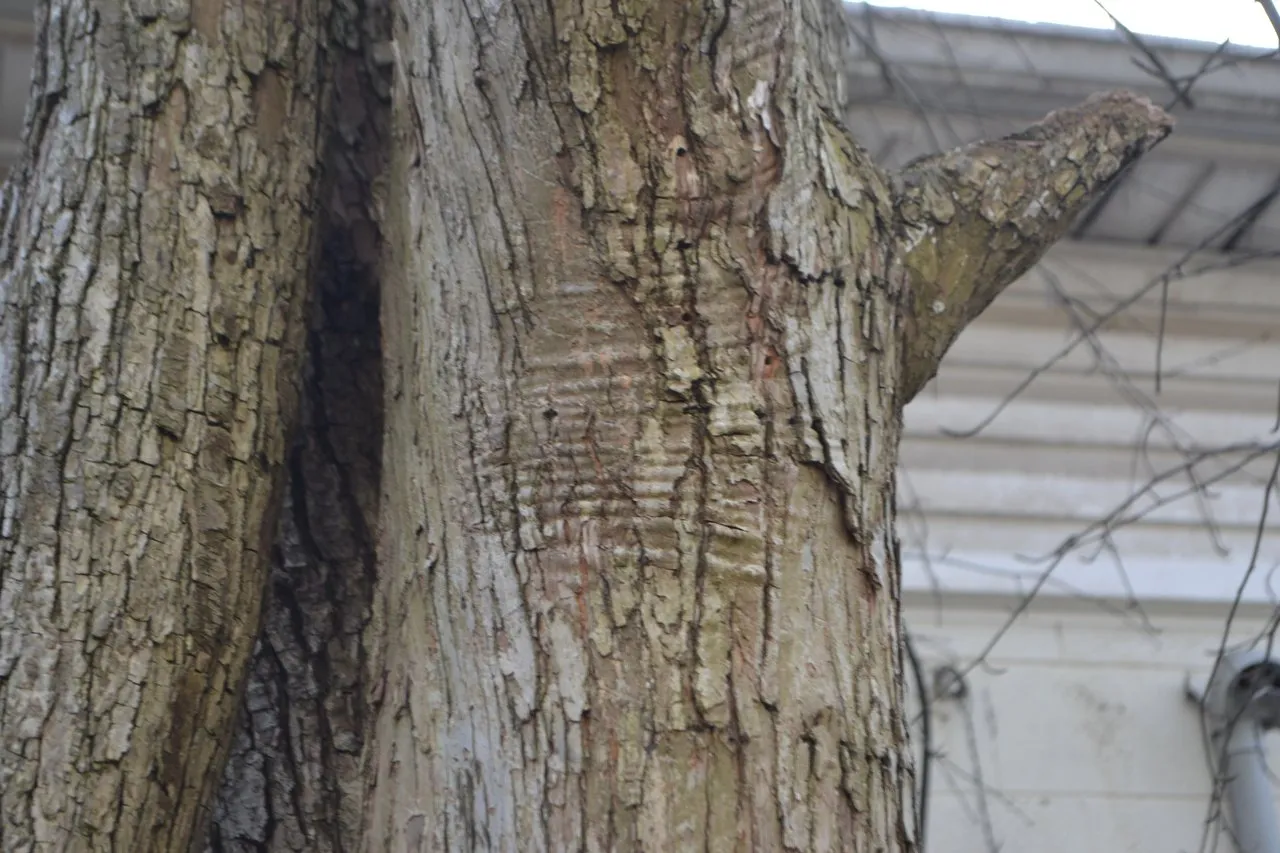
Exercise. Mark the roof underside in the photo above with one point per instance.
(921, 82)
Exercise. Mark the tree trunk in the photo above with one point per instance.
(156, 248)
(648, 320)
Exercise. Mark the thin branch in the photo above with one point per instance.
(1158, 68)
(1179, 270)
(926, 735)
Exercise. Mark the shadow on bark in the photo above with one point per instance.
(293, 780)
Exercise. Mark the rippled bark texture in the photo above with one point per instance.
(590, 545)
(156, 245)
(650, 319)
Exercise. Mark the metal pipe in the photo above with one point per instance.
(1241, 702)
(1248, 790)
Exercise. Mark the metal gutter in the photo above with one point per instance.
(965, 66)
(1240, 704)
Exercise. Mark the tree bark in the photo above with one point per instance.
(156, 248)
(650, 319)
(294, 781)
(612, 564)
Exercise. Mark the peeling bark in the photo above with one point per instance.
(156, 244)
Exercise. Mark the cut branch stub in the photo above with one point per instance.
(974, 219)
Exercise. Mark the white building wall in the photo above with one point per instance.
(1078, 729)
(1078, 725)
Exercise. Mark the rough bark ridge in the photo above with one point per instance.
(650, 318)
(156, 247)
(293, 781)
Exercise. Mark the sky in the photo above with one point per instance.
(1242, 21)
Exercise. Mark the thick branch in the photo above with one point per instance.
(976, 218)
